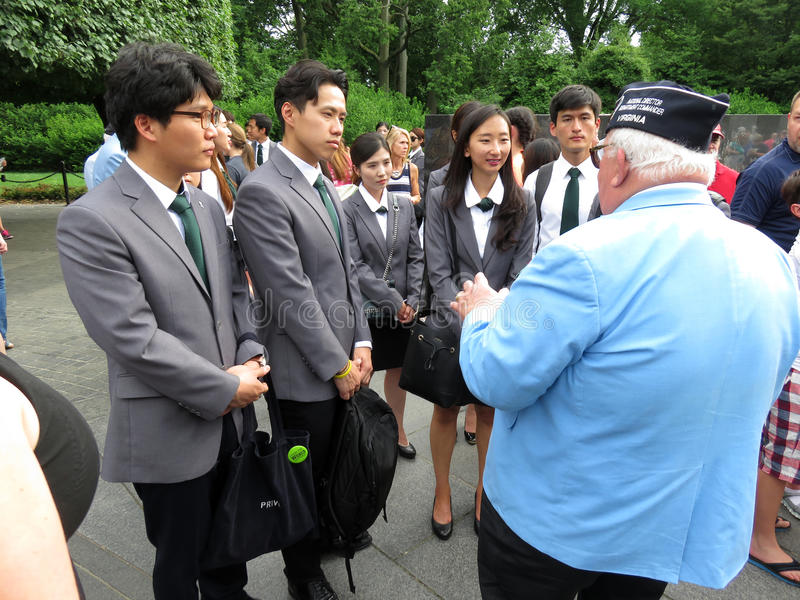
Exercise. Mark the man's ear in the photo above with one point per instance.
(288, 113)
(795, 208)
(147, 126)
(622, 169)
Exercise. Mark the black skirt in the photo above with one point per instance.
(389, 341)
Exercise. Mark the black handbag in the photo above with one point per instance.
(268, 501)
(430, 366)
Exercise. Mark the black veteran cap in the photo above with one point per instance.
(669, 110)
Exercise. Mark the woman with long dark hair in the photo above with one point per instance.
(482, 215)
(384, 244)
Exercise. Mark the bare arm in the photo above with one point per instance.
(34, 561)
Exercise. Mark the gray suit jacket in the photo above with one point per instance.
(437, 177)
(370, 251)
(168, 339)
(306, 286)
(419, 160)
(447, 274)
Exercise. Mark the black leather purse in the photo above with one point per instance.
(268, 499)
(430, 366)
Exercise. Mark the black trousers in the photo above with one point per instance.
(510, 568)
(178, 517)
(302, 560)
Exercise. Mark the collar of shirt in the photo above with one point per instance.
(370, 200)
(162, 192)
(472, 197)
(562, 166)
(667, 194)
(415, 152)
(310, 172)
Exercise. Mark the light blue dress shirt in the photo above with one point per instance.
(633, 364)
(109, 158)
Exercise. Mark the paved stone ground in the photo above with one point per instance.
(113, 555)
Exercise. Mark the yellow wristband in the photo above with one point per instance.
(346, 372)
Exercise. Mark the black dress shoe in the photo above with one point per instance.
(408, 452)
(442, 530)
(363, 541)
(316, 589)
(470, 437)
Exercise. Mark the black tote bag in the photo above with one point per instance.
(268, 501)
(430, 366)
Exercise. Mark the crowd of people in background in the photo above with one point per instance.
(576, 267)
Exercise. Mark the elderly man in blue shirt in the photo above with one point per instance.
(630, 404)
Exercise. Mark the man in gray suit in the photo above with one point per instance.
(293, 234)
(257, 131)
(152, 275)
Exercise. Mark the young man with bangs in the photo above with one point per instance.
(293, 234)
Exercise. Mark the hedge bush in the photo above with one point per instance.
(39, 136)
(41, 192)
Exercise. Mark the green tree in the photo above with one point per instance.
(608, 68)
(60, 50)
(585, 23)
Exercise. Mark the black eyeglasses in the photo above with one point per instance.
(207, 117)
(414, 138)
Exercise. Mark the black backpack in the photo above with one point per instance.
(360, 474)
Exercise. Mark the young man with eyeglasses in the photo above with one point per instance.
(148, 265)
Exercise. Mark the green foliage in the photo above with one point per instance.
(42, 135)
(40, 193)
(607, 69)
(60, 50)
(747, 102)
(535, 72)
(367, 106)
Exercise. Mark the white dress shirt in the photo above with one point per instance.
(165, 195)
(373, 205)
(553, 200)
(264, 150)
(481, 221)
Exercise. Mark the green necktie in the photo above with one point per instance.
(569, 214)
(382, 210)
(326, 200)
(260, 155)
(485, 204)
(229, 182)
(191, 233)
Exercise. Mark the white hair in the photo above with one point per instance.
(658, 159)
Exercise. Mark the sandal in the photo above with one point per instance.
(775, 569)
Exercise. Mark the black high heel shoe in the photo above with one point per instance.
(442, 530)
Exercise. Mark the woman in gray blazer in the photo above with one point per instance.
(384, 244)
(480, 220)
